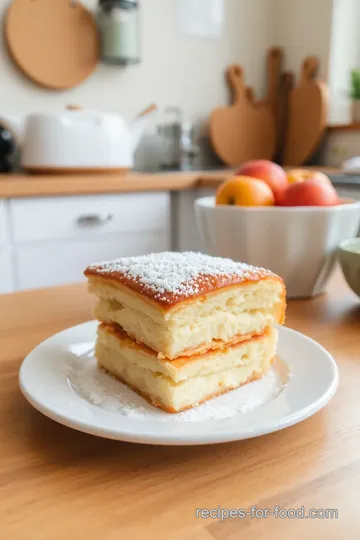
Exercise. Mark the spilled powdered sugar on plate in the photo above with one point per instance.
(104, 391)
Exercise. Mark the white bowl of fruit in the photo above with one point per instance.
(291, 223)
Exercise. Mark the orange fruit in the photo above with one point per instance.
(245, 191)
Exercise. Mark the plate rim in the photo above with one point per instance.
(173, 439)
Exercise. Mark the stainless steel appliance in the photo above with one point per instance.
(179, 146)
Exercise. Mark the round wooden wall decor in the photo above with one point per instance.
(55, 42)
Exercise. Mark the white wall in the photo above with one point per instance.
(344, 56)
(328, 29)
(189, 72)
(175, 70)
(303, 28)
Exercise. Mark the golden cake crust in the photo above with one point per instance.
(168, 279)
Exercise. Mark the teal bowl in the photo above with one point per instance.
(349, 256)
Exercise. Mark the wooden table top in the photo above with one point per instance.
(56, 483)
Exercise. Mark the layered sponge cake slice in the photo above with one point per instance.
(181, 328)
(176, 385)
(182, 304)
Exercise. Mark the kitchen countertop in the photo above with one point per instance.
(34, 186)
(58, 483)
(30, 186)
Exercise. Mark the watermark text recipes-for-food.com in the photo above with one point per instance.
(256, 512)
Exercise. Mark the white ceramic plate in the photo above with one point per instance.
(60, 379)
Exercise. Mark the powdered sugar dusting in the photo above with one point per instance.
(105, 392)
(169, 275)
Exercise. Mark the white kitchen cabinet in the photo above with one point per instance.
(54, 218)
(49, 241)
(6, 270)
(187, 237)
(4, 234)
(40, 265)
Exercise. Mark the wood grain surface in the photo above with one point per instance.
(245, 130)
(56, 483)
(37, 186)
(55, 43)
(21, 185)
(275, 60)
(282, 111)
(355, 126)
(307, 115)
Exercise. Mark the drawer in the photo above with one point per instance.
(45, 265)
(3, 222)
(6, 270)
(51, 218)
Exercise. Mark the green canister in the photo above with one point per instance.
(119, 28)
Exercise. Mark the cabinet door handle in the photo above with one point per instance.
(94, 219)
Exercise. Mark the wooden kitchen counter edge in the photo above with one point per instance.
(38, 186)
(19, 185)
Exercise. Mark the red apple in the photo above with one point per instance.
(313, 192)
(270, 172)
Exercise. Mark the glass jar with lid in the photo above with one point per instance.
(119, 28)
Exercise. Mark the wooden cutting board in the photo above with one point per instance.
(245, 130)
(282, 111)
(54, 42)
(274, 67)
(307, 117)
